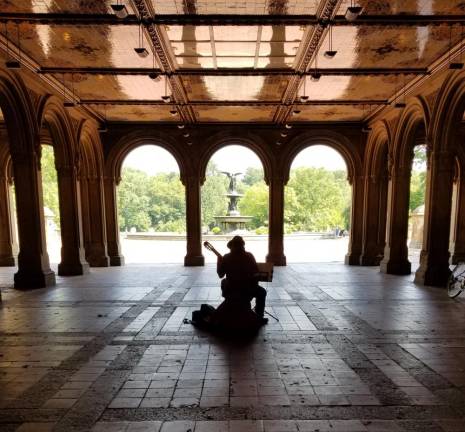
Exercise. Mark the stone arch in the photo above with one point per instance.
(447, 113)
(90, 149)
(53, 114)
(416, 114)
(17, 109)
(334, 140)
(378, 144)
(253, 143)
(131, 141)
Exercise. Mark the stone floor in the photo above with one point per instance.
(353, 350)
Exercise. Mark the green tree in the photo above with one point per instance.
(318, 200)
(214, 200)
(252, 176)
(50, 182)
(167, 203)
(255, 203)
(134, 200)
(418, 178)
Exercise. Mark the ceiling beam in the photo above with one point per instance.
(310, 44)
(234, 103)
(230, 19)
(168, 64)
(232, 72)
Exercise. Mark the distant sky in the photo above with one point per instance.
(154, 159)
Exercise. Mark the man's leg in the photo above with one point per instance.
(260, 297)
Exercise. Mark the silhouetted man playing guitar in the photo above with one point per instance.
(241, 272)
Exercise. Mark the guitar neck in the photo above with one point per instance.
(211, 248)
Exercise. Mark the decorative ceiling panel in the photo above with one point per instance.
(59, 6)
(234, 88)
(234, 113)
(244, 7)
(323, 113)
(387, 46)
(374, 87)
(80, 46)
(413, 7)
(227, 47)
(135, 113)
(116, 87)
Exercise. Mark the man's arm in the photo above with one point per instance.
(220, 267)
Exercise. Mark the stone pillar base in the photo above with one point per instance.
(29, 280)
(277, 260)
(117, 261)
(432, 275)
(98, 261)
(7, 261)
(370, 260)
(76, 269)
(194, 260)
(403, 267)
(352, 259)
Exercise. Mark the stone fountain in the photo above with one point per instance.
(233, 221)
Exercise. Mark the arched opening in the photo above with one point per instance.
(235, 201)
(317, 207)
(417, 201)
(8, 219)
(51, 203)
(151, 207)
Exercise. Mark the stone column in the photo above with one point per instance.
(33, 263)
(434, 258)
(356, 222)
(86, 217)
(94, 212)
(369, 256)
(72, 251)
(374, 221)
(111, 213)
(7, 258)
(194, 255)
(276, 222)
(458, 234)
(395, 260)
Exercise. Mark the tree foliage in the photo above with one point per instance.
(49, 182)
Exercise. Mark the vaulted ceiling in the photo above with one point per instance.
(232, 61)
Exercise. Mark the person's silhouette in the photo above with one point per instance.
(241, 271)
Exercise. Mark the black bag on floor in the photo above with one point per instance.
(203, 317)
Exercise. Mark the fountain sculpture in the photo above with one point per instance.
(233, 221)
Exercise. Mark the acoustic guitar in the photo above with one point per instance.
(265, 270)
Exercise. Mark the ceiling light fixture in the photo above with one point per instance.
(189, 143)
(186, 135)
(330, 53)
(174, 112)
(140, 50)
(284, 134)
(154, 74)
(304, 97)
(278, 143)
(353, 11)
(12, 63)
(315, 75)
(181, 126)
(288, 126)
(166, 98)
(296, 111)
(459, 64)
(119, 9)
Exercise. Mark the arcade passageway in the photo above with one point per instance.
(355, 350)
(373, 344)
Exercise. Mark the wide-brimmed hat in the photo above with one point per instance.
(236, 241)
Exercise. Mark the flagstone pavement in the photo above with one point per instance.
(354, 350)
